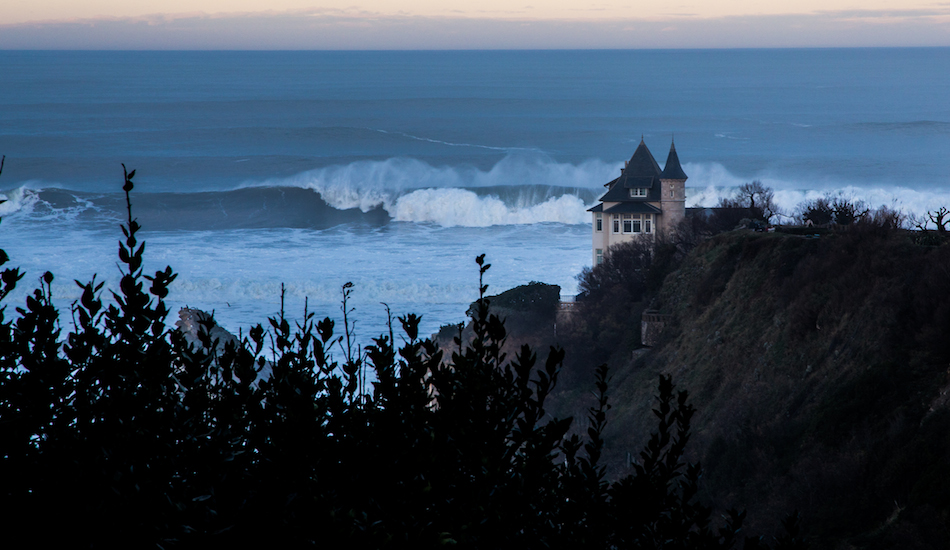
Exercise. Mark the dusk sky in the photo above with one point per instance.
(457, 24)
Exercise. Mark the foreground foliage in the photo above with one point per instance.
(121, 433)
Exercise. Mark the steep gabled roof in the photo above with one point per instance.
(672, 169)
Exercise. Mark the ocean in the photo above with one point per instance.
(393, 170)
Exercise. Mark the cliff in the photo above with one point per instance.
(819, 367)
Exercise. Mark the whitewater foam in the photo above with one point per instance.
(240, 274)
(20, 199)
(460, 207)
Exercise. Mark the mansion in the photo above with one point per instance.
(642, 202)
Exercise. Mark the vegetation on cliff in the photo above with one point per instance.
(818, 365)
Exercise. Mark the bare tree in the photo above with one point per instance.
(940, 218)
(756, 197)
(748, 192)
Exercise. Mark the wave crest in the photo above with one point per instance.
(461, 207)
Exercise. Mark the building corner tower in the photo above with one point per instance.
(673, 194)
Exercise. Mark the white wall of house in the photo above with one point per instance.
(618, 228)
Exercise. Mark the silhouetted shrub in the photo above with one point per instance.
(817, 211)
(848, 211)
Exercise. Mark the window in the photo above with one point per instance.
(616, 223)
(671, 190)
(631, 223)
(638, 192)
(648, 223)
(598, 222)
(599, 253)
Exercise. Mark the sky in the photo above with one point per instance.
(458, 24)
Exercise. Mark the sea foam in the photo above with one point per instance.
(452, 207)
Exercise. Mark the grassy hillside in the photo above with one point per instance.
(819, 367)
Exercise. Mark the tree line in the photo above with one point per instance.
(756, 201)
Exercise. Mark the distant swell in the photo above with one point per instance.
(917, 126)
(253, 208)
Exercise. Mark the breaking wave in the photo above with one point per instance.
(21, 199)
(521, 189)
(451, 207)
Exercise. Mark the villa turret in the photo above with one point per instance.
(641, 202)
(673, 197)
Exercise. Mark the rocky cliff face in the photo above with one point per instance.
(819, 367)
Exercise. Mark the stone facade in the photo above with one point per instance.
(652, 324)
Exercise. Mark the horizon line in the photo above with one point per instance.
(462, 49)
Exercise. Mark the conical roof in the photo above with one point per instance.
(672, 169)
(642, 164)
(641, 172)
